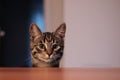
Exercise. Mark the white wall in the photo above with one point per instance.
(53, 14)
(93, 33)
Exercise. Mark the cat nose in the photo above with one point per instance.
(49, 52)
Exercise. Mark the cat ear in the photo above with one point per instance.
(35, 32)
(60, 31)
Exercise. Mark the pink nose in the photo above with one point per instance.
(49, 52)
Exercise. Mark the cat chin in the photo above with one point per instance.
(44, 65)
(46, 60)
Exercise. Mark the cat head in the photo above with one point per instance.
(47, 47)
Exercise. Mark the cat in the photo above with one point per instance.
(46, 47)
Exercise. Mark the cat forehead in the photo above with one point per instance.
(49, 36)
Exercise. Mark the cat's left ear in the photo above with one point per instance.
(35, 32)
(60, 31)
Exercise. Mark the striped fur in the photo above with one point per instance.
(46, 48)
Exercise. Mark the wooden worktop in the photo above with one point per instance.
(59, 73)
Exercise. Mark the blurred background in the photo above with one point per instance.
(93, 30)
(15, 19)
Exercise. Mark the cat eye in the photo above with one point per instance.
(55, 46)
(42, 46)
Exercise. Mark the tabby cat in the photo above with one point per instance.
(46, 48)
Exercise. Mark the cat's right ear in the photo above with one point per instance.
(35, 32)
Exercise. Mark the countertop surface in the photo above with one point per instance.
(59, 73)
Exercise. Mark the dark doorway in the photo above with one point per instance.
(15, 18)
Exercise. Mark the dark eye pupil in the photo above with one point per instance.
(54, 46)
(41, 46)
